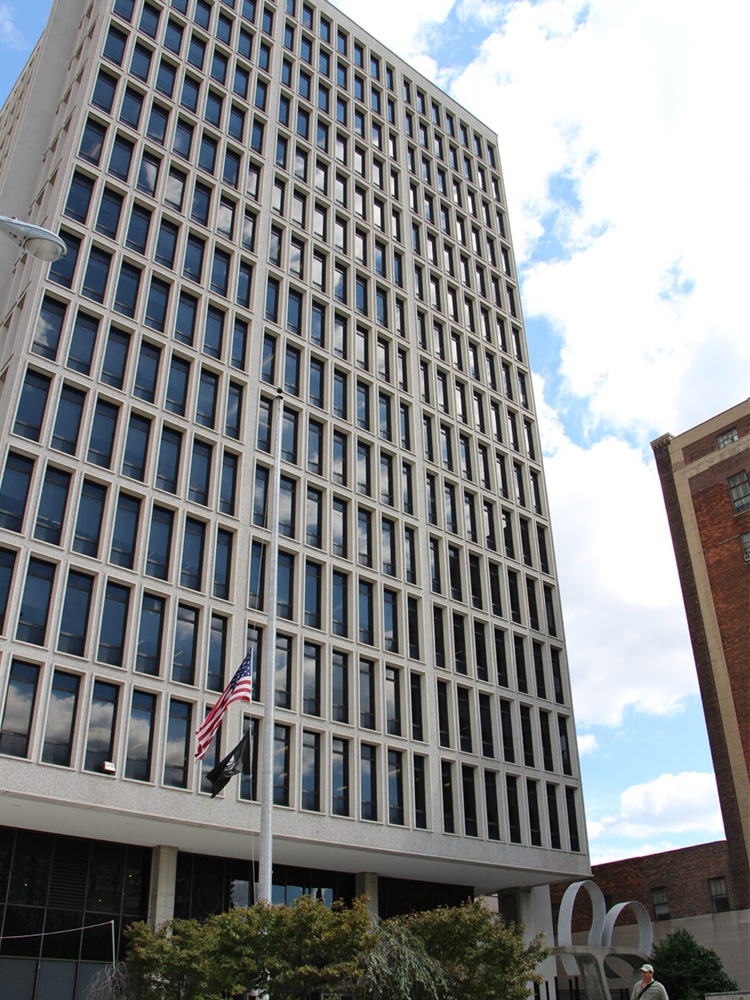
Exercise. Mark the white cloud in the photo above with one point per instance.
(587, 744)
(10, 36)
(671, 805)
(632, 105)
(624, 622)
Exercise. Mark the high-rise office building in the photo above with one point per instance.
(704, 478)
(258, 195)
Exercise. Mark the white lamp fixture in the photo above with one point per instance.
(36, 240)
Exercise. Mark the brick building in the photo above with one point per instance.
(688, 888)
(704, 477)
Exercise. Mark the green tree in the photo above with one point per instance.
(482, 957)
(399, 968)
(284, 951)
(686, 968)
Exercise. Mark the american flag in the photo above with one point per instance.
(240, 688)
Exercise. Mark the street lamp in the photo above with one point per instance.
(32, 239)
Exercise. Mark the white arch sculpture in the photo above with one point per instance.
(589, 960)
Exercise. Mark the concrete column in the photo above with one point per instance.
(367, 885)
(535, 913)
(163, 882)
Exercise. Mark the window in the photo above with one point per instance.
(311, 771)
(61, 717)
(178, 744)
(31, 406)
(660, 902)
(281, 753)
(19, 709)
(88, 525)
(140, 736)
(739, 492)
(339, 777)
(102, 721)
(52, 504)
(185, 645)
(150, 633)
(114, 619)
(727, 438)
(32, 619)
(717, 887)
(102, 434)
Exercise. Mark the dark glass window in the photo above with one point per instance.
(114, 45)
(89, 523)
(158, 121)
(168, 466)
(79, 197)
(191, 573)
(61, 719)
(148, 174)
(128, 285)
(19, 709)
(395, 787)
(49, 328)
(150, 633)
(114, 624)
(147, 371)
(149, 22)
(200, 472)
(160, 543)
(173, 36)
(165, 77)
(186, 315)
(102, 722)
(156, 304)
(140, 64)
(138, 227)
(125, 531)
(228, 486)
(132, 105)
(31, 406)
(97, 274)
(32, 619)
(7, 565)
(136, 447)
(339, 777)
(205, 409)
(140, 736)
(14, 491)
(223, 564)
(193, 263)
(185, 645)
(75, 615)
(177, 384)
(115, 358)
(178, 744)
(92, 142)
(82, 342)
(52, 505)
(102, 434)
(62, 270)
(104, 91)
(121, 157)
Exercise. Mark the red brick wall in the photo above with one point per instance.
(729, 578)
(684, 874)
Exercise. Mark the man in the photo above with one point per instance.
(648, 988)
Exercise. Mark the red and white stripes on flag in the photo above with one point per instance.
(240, 688)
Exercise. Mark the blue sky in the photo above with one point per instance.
(623, 155)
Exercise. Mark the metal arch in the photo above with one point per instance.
(565, 917)
(645, 927)
(565, 920)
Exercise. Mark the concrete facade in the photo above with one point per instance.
(261, 195)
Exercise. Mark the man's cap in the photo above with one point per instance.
(647, 968)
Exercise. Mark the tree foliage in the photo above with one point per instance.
(399, 968)
(283, 951)
(481, 955)
(686, 968)
(292, 952)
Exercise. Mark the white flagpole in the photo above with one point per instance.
(268, 679)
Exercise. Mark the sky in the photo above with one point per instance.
(626, 172)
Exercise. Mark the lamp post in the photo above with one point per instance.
(36, 240)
